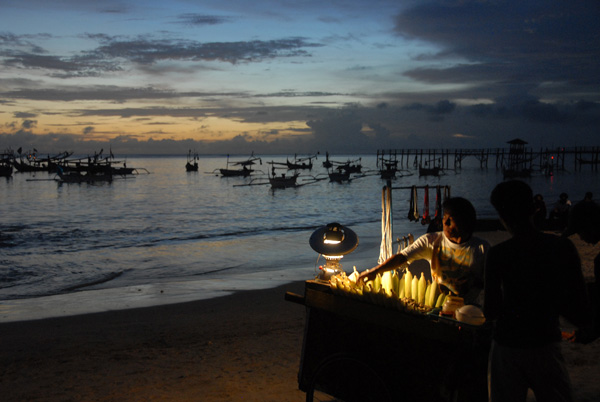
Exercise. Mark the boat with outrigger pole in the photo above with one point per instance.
(243, 171)
(31, 162)
(388, 166)
(280, 181)
(298, 163)
(192, 162)
(342, 171)
(6, 168)
(94, 169)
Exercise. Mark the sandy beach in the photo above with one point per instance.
(242, 347)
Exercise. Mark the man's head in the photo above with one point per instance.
(459, 219)
(513, 200)
(584, 220)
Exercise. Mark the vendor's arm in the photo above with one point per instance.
(393, 262)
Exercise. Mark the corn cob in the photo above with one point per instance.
(377, 283)
(401, 287)
(408, 284)
(432, 295)
(395, 282)
(386, 282)
(414, 290)
(440, 300)
(421, 288)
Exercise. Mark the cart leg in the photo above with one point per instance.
(348, 379)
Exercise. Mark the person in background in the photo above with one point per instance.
(530, 280)
(455, 255)
(584, 220)
(560, 212)
(539, 214)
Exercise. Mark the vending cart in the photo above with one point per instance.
(358, 351)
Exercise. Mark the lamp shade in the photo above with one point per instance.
(333, 239)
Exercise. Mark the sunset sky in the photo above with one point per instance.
(283, 76)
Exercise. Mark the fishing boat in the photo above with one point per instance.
(300, 163)
(96, 168)
(192, 162)
(244, 171)
(389, 169)
(429, 171)
(283, 181)
(350, 166)
(6, 168)
(388, 166)
(98, 164)
(338, 176)
(92, 176)
(31, 162)
(327, 163)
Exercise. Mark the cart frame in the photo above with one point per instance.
(358, 351)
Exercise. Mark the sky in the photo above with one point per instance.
(297, 76)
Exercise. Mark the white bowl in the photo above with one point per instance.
(470, 314)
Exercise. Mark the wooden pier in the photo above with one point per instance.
(546, 160)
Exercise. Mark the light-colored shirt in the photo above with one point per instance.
(459, 267)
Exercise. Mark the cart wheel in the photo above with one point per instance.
(346, 379)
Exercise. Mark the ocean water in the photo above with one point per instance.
(173, 235)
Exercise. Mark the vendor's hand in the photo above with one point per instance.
(366, 276)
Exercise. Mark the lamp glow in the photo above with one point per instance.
(333, 242)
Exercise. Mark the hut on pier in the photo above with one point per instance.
(518, 162)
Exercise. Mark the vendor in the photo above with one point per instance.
(456, 256)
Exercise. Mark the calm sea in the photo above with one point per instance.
(192, 235)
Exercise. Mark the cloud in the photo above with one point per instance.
(510, 44)
(28, 124)
(146, 51)
(113, 52)
(24, 115)
(201, 19)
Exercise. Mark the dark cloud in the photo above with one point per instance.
(28, 124)
(145, 51)
(201, 19)
(113, 52)
(353, 129)
(437, 110)
(566, 115)
(108, 93)
(24, 115)
(513, 43)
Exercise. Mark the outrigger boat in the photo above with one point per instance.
(327, 163)
(192, 162)
(79, 177)
(338, 176)
(244, 171)
(93, 169)
(30, 162)
(431, 171)
(282, 181)
(388, 167)
(6, 168)
(299, 163)
(388, 170)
